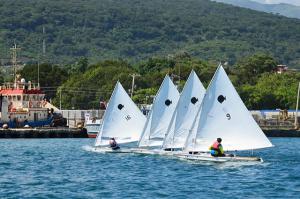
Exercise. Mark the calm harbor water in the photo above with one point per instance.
(63, 168)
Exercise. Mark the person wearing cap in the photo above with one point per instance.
(216, 149)
(113, 144)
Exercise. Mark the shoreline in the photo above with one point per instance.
(281, 132)
(82, 133)
(43, 133)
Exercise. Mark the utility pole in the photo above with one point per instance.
(60, 99)
(38, 65)
(296, 113)
(133, 78)
(14, 50)
(44, 42)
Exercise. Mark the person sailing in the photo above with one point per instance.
(113, 144)
(216, 149)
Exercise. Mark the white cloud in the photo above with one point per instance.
(294, 2)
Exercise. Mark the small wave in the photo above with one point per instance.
(88, 148)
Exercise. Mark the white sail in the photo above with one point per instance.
(161, 112)
(224, 115)
(185, 112)
(122, 119)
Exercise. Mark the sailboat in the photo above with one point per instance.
(122, 121)
(184, 114)
(223, 114)
(160, 115)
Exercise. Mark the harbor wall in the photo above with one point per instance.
(44, 133)
(281, 133)
(81, 133)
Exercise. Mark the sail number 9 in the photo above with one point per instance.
(228, 116)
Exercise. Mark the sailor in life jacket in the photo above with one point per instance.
(216, 149)
(113, 144)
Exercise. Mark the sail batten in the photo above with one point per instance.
(122, 119)
(223, 114)
(160, 114)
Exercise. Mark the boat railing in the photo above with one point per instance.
(20, 85)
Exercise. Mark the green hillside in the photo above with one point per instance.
(137, 29)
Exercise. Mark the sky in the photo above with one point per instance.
(294, 2)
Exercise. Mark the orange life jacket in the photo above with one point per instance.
(216, 145)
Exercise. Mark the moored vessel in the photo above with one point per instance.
(92, 125)
(22, 104)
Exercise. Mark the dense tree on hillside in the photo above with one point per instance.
(137, 30)
(254, 77)
(86, 90)
(272, 91)
(251, 68)
(50, 76)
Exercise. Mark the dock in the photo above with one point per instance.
(44, 133)
(281, 132)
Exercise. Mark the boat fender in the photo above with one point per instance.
(5, 126)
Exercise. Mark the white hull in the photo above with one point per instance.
(93, 127)
(155, 152)
(178, 154)
(110, 150)
(208, 157)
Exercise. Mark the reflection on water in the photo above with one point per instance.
(68, 168)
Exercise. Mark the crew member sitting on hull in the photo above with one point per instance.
(113, 144)
(216, 149)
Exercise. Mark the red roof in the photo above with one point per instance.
(19, 91)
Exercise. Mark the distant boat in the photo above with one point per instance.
(22, 104)
(185, 112)
(122, 121)
(160, 115)
(224, 115)
(92, 125)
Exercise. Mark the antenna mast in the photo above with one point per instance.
(14, 50)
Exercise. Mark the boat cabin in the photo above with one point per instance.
(22, 101)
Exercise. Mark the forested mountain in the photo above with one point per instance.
(138, 29)
(284, 9)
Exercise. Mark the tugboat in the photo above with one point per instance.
(23, 105)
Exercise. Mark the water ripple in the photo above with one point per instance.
(67, 168)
